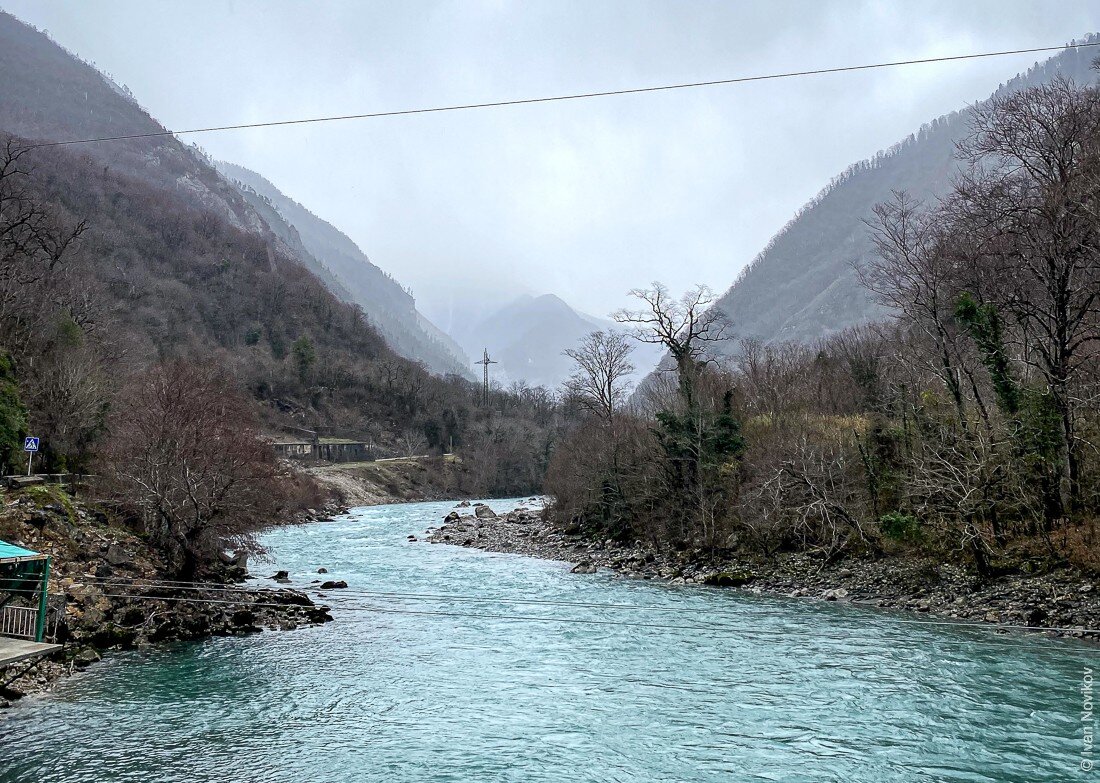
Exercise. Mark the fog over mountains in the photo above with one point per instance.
(177, 261)
(50, 94)
(350, 274)
(528, 337)
(801, 286)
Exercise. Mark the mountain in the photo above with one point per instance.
(350, 274)
(529, 335)
(50, 94)
(803, 284)
(175, 261)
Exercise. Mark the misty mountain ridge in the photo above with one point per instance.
(803, 285)
(528, 337)
(51, 94)
(349, 273)
(180, 263)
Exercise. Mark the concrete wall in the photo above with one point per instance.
(324, 452)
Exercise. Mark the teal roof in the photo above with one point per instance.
(10, 553)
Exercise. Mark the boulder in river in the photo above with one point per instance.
(86, 657)
(280, 575)
(337, 585)
(484, 512)
(322, 570)
(584, 567)
(729, 578)
(454, 516)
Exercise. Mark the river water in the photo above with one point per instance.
(694, 684)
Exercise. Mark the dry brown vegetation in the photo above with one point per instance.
(965, 426)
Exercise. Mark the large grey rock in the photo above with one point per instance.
(117, 556)
(484, 512)
(86, 657)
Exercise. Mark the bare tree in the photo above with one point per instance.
(413, 442)
(684, 326)
(915, 273)
(603, 362)
(1032, 197)
(185, 458)
(34, 242)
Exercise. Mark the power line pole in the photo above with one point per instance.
(485, 362)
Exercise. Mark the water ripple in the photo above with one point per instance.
(757, 689)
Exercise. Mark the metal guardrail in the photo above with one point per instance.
(19, 621)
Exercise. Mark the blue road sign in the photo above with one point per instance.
(30, 444)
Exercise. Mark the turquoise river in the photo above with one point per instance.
(487, 667)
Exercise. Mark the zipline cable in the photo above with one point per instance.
(568, 97)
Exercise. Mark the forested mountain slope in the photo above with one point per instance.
(350, 274)
(174, 261)
(803, 285)
(48, 94)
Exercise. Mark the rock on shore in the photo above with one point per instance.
(1064, 601)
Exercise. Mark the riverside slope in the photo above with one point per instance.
(107, 594)
(1064, 602)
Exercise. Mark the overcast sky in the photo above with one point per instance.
(584, 199)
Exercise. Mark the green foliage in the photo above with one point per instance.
(13, 416)
(984, 326)
(1037, 426)
(706, 440)
(305, 356)
(729, 578)
(68, 333)
(252, 336)
(1040, 446)
(901, 527)
(880, 458)
(1040, 426)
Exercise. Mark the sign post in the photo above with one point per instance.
(30, 445)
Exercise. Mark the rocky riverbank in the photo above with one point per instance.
(1064, 601)
(403, 480)
(107, 591)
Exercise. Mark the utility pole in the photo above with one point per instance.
(485, 362)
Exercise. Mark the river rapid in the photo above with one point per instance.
(451, 664)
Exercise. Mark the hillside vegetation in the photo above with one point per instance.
(154, 325)
(348, 273)
(965, 428)
(803, 285)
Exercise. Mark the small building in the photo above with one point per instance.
(24, 576)
(324, 450)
